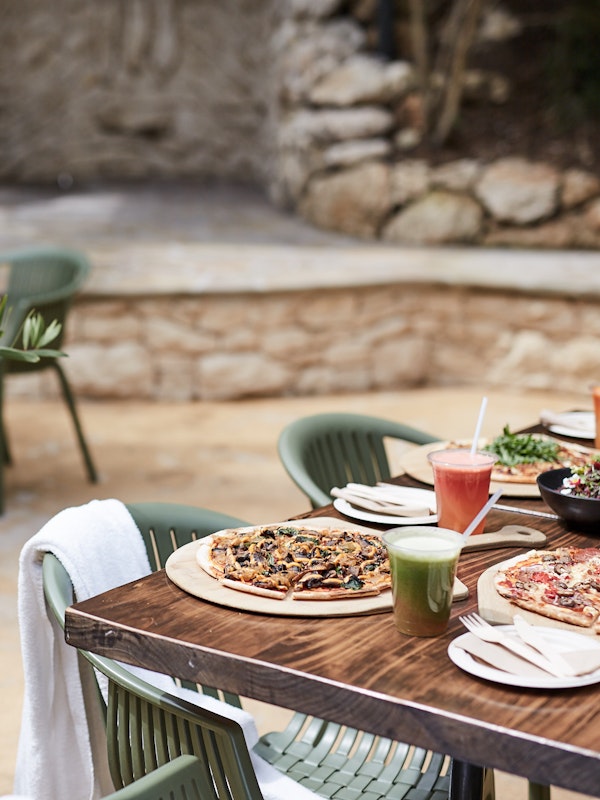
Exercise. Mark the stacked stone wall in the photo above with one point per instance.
(348, 127)
(226, 347)
(288, 95)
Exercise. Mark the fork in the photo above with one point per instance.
(488, 633)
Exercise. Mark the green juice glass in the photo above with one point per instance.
(423, 564)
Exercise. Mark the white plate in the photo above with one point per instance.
(564, 640)
(423, 496)
(585, 417)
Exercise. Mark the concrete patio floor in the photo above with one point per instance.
(217, 455)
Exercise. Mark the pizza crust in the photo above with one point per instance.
(521, 476)
(204, 560)
(560, 614)
(250, 588)
(334, 594)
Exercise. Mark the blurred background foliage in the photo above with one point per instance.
(554, 43)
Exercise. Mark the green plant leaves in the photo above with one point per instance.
(35, 336)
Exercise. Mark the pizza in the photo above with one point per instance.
(561, 584)
(521, 457)
(301, 563)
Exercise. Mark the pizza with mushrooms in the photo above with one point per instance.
(301, 562)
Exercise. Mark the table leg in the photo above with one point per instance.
(469, 782)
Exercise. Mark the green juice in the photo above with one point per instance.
(423, 566)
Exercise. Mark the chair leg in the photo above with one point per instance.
(4, 452)
(6, 456)
(2, 465)
(5, 449)
(70, 401)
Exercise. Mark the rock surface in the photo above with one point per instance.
(290, 95)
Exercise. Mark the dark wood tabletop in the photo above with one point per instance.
(359, 670)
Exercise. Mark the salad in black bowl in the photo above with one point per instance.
(574, 494)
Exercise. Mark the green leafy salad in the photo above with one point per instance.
(521, 448)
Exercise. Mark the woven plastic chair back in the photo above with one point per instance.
(181, 779)
(147, 728)
(327, 450)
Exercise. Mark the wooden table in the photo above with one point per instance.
(360, 671)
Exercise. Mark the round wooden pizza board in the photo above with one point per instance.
(414, 462)
(183, 569)
(497, 609)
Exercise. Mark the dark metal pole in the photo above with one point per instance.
(466, 781)
(385, 27)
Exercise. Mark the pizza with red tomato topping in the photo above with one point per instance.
(562, 584)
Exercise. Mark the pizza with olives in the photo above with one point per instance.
(299, 562)
(561, 584)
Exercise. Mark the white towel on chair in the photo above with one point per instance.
(62, 749)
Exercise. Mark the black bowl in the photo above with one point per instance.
(582, 512)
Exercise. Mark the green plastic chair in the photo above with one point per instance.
(332, 760)
(44, 279)
(327, 450)
(146, 727)
(180, 779)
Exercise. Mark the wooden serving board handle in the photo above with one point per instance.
(508, 536)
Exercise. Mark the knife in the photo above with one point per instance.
(530, 511)
(573, 662)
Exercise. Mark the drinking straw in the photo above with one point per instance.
(479, 423)
(480, 515)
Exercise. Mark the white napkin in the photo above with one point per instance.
(62, 750)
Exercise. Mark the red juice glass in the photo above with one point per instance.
(461, 480)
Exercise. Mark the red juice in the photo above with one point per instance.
(461, 481)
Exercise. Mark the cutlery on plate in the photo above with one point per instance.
(578, 662)
(498, 657)
(381, 506)
(488, 633)
(384, 492)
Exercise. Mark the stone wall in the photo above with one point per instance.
(287, 94)
(351, 339)
(136, 89)
(347, 128)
